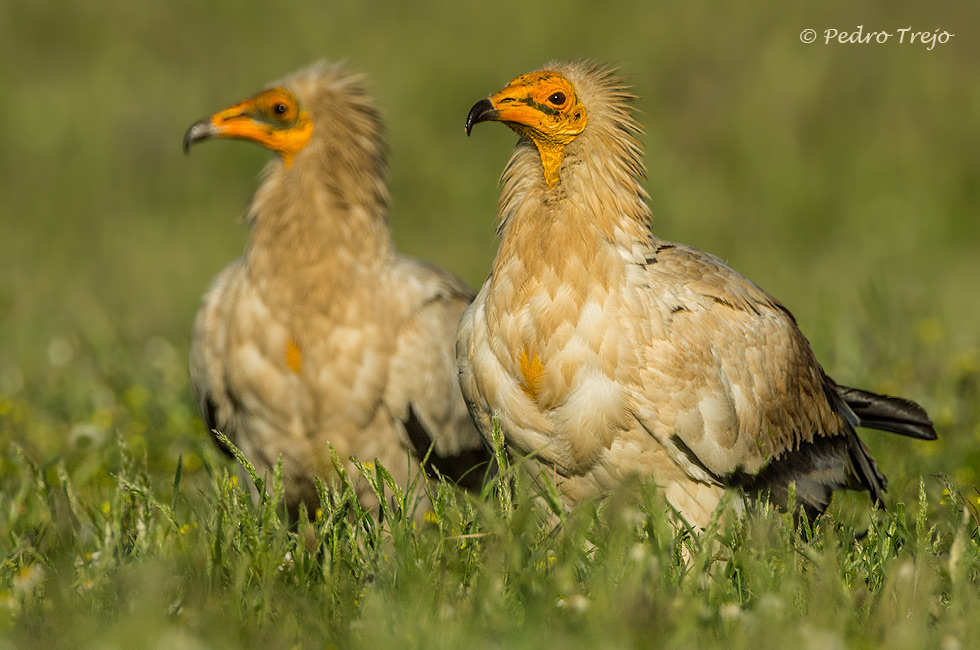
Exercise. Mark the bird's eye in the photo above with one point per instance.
(279, 108)
(557, 99)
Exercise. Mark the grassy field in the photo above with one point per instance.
(843, 178)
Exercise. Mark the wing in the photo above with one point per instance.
(244, 385)
(208, 347)
(732, 388)
(423, 390)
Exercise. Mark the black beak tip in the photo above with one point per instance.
(482, 111)
(201, 130)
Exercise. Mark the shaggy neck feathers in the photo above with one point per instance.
(323, 220)
(599, 181)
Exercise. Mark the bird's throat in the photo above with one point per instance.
(550, 149)
(551, 155)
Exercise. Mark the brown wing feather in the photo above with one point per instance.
(735, 345)
(736, 351)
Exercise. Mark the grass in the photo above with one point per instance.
(195, 563)
(842, 178)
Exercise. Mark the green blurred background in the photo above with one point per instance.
(842, 178)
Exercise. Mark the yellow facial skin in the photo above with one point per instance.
(542, 107)
(273, 118)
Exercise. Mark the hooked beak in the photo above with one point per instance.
(247, 120)
(512, 105)
(200, 130)
(238, 121)
(482, 111)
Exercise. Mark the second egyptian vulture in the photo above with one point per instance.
(607, 352)
(322, 333)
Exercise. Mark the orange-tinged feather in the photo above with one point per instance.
(532, 370)
(294, 358)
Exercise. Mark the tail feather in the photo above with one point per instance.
(862, 408)
(886, 413)
(827, 463)
(864, 467)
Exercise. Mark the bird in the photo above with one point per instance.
(322, 337)
(604, 353)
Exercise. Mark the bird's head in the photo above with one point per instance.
(542, 107)
(273, 118)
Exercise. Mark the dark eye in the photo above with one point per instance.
(557, 99)
(279, 108)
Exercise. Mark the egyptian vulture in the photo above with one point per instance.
(322, 334)
(607, 352)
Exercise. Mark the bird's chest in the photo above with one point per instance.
(315, 367)
(556, 334)
(552, 323)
